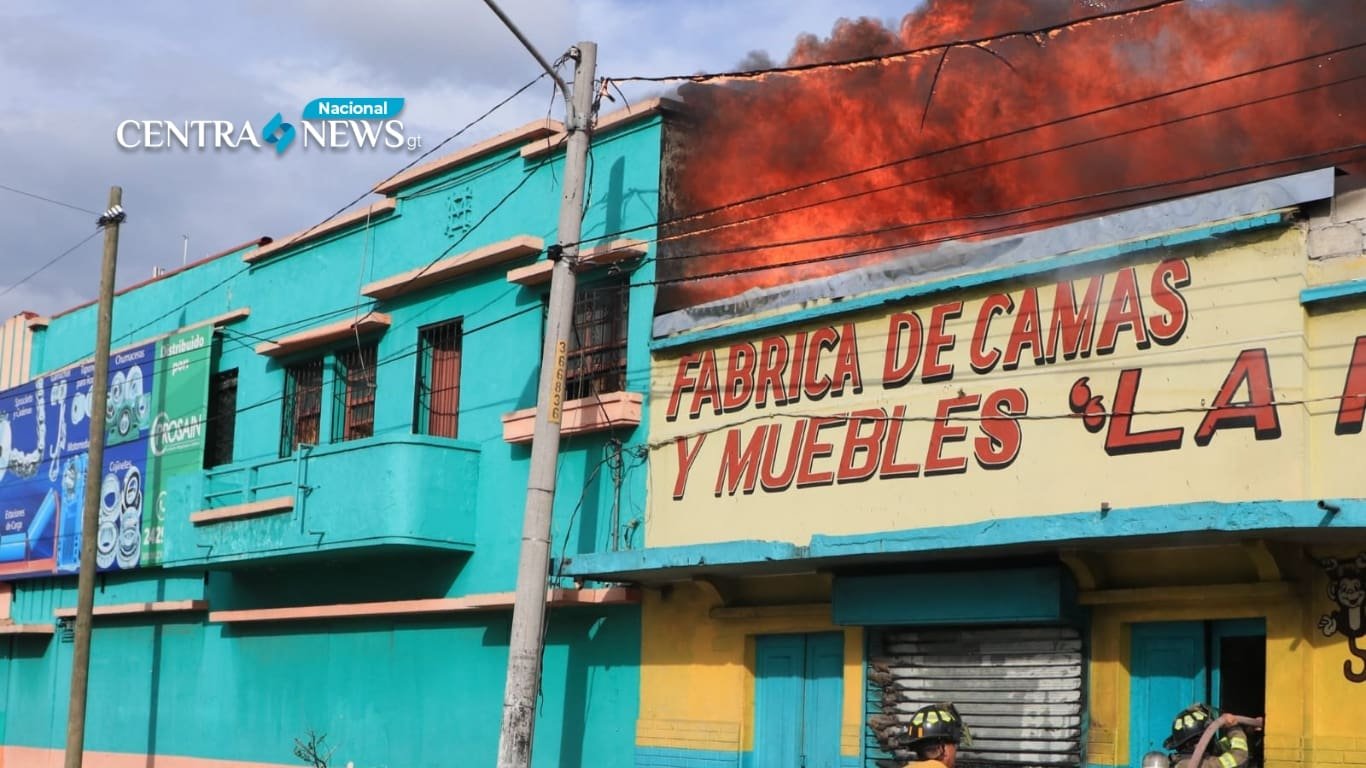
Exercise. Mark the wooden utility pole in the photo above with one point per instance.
(99, 393)
(526, 646)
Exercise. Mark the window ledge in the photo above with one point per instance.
(495, 601)
(582, 416)
(369, 213)
(449, 269)
(369, 323)
(243, 511)
(138, 609)
(1323, 294)
(10, 629)
(599, 256)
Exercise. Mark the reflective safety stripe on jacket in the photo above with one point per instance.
(1234, 752)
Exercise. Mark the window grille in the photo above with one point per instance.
(354, 415)
(596, 362)
(436, 407)
(303, 404)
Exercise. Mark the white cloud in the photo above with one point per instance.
(71, 75)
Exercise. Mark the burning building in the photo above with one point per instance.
(1025, 372)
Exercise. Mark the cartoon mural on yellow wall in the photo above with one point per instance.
(1349, 614)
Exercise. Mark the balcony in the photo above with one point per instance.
(383, 494)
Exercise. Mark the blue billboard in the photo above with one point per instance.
(44, 463)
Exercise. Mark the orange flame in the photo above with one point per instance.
(749, 138)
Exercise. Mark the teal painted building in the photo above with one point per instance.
(343, 564)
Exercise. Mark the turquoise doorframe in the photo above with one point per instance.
(798, 690)
(1218, 631)
(1166, 674)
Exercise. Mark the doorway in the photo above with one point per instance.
(1175, 664)
(798, 691)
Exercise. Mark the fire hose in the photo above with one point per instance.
(1213, 728)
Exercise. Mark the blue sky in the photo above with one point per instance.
(71, 73)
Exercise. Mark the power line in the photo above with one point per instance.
(302, 234)
(36, 196)
(1006, 160)
(51, 262)
(1009, 227)
(977, 142)
(1001, 417)
(1037, 33)
(411, 351)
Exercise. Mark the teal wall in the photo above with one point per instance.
(409, 692)
(439, 518)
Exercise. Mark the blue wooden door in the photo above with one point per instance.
(798, 689)
(779, 682)
(823, 695)
(1167, 674)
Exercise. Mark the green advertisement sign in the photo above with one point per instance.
(175, 444)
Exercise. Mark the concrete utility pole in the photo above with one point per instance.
(99, 393)
(533, 566)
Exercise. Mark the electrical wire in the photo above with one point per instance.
(995, 163)
(304, 233)
(476, 121)
(412, 350)
(707, 212)
(1089, 213)
(36, 196)
(1002, 417)
(1037, 33)
(50, 262)
(1032, 224)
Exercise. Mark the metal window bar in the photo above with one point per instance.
(436, 410)
(596, 362)
(222, 416)
(355, 392)
(303, 405)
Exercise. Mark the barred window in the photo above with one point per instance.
(597, 347)
(353, 417)
(303, 405)
(436, 406)
(222, 417)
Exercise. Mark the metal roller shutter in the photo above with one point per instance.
(1018, 689)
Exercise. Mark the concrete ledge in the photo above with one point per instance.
(448, 269)
(11, 630)
(243, 511)
(139, 609)
(598, 256)
(587, 414)
(492, 601)
(36, 323)
(378, 210)
(549, 143)
(1322, 294)
(1044, 533)
(371, 322)
(218, 321)
(532, 131)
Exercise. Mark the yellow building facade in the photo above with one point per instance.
(1074, 482)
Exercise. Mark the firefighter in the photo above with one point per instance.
(1228, 749)
(1155, 760)
(934, 735)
